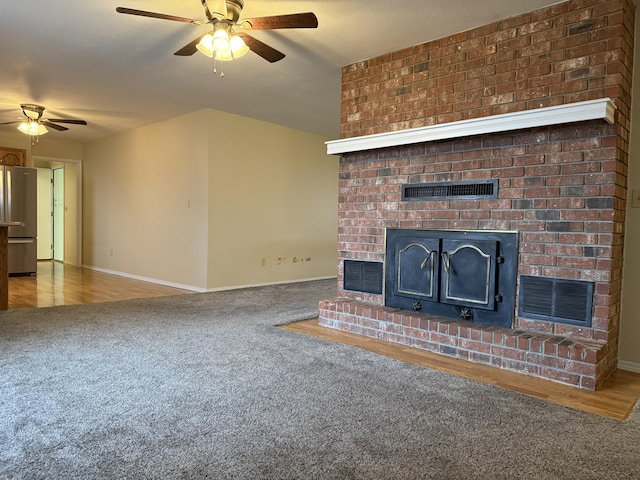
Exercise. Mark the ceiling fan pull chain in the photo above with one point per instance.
(215, 70)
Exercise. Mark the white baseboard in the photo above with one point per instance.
(191, 288)
(181, 286)
(629, 366)
(282, 282)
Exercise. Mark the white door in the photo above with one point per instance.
(45, 214)
(58, 214)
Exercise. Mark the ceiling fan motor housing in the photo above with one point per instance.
(32, 110)
(234, 7)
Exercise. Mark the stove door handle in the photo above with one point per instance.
(423, 265)
(445, 262)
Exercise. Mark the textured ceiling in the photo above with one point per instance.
(81, 59)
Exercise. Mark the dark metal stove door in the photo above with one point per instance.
(468, 270)
(417, 272)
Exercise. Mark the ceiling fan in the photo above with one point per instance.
(223, 42)
(35, 124)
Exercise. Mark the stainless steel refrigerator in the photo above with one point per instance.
(18, 203)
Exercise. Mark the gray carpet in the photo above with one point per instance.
(204, 386)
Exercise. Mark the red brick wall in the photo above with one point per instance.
(563, 189)
(569, 52)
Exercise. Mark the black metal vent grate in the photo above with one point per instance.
(555, 299)
(363, 276)
(450, 190)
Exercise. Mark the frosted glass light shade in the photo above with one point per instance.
(32, 128)
(221, 43)
(221, 46)
(238, 47)
(205, 45)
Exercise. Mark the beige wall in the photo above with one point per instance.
(45, 147)
(71, 214)
(630, 322)
(50, 147)
(145, 202)
(198, 201)
(273, 195)
(16, 140)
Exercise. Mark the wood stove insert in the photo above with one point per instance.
(469, 275)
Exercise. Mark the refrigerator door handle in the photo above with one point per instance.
(7, 214)
(3, 209)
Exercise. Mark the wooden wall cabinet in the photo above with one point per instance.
(14, 157)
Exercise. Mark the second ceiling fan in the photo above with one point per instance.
(228, 38)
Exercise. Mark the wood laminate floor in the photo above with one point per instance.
(59, 284)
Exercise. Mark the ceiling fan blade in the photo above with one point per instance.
(270, 54)
(65, 120)
(162, 16)
(10, 123)
(295, 20)
(53, 125)
(189, 48)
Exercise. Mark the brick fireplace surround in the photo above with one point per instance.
(562, 188)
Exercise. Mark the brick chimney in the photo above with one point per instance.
(420, 116)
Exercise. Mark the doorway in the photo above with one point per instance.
(60, 210)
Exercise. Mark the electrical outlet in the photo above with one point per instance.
(635, 198)
(263, 262)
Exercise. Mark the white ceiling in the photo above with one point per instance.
(81, 59)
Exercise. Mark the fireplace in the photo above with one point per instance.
(539, 243)
(540, 259)
(468, 275)
(519, 127)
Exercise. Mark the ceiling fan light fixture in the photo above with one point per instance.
(33, 128)
(223, 44)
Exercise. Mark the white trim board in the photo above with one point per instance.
(181, 286)
(629, 366)
(602, 108)
(199, 289)
(279, 282)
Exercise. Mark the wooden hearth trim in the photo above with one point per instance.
(603, 108)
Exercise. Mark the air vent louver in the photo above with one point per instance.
(450, 190)
(363, 276)
(555, 299)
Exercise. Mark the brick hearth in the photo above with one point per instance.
(562, 188)
(563, 359)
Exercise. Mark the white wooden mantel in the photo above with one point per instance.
(602, 108)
